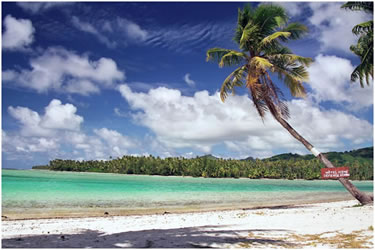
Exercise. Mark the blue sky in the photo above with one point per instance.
(94, 80)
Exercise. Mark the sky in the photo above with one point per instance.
(88, 81)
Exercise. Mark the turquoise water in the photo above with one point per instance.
(38, 189)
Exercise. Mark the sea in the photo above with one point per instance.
(46, 194)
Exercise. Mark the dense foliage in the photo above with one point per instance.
(292, 167)
(364, 48)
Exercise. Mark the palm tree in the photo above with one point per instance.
(259, 35)
(364, 47)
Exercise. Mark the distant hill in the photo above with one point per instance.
(209, 156)
(340, 157)
(248, 159)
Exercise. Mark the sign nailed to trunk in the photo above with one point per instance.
(335, 173)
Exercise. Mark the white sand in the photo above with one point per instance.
(261, 228)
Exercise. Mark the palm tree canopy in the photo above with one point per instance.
(260, 35)
(365, 45)
(361, 6)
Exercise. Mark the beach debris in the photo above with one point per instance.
(166, 212)
(106, 213)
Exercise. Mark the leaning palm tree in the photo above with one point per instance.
(260, 34)
(364, 48)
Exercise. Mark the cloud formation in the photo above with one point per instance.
(333, 24)
(187, 38)
(202, 121)
(18, 34)
(39, 7)
(62, 70)
(108, 32)
(189, 81)
(56, 130)
(330, 81)
(57, 116)
(89, 28)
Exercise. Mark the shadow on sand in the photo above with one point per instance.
(190, 237)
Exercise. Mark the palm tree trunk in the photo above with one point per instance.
(363, 198)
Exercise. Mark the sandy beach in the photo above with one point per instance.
(330, 225)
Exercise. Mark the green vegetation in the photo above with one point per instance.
(364, 48)
(277, 167)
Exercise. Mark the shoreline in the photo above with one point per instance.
(297, 226)
(67, 213)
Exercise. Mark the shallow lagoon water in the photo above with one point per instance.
(43, 193)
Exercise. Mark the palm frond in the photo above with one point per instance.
(268, 17)
(289, 59)
(225, 57)
(249, 34)
(365, 50)
(235, 79)
(293, 77)
(296, 30)
(364, 27)
(232, 58)
(260, 62)
(270, 38)
(275, 100)
(275, 49)
(359, 6)
(244, 16)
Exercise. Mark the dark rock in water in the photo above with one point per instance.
(106, 213)
(62, 237)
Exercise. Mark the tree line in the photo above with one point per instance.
(287, 168)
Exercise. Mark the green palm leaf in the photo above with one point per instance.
(363, 28)
(365, 45)
(235, 79)
(260, 34)
(359, 6)
(270, 38)
(225, 57)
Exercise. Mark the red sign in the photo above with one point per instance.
(335, 173)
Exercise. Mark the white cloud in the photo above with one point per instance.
(330, 81)
(57, 117)
(16, 144)
(38, 7)
(132, 30)
(30, 121)
(65, 71)
(185, 38)
(202, 121)
(61, 116)
(107, 31)
(292, 8)
(116, 141)
(18, 34)
(89, 28)
(189, 81)
(119, 113)
(335, 25)
(57, 130)
(82, 87)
